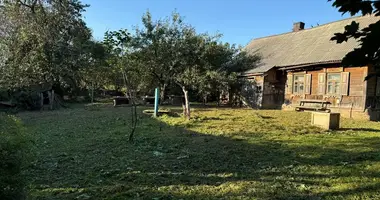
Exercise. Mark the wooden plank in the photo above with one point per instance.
(334, 69)
(7, 103)
(322, 83)
(309, 107)
(301, 108)
(307, 86)
(365, 87)
(52, 100)
(289, 84)
(345, 77)
(314, 101)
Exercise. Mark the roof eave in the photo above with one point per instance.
(253, 74)
(308, 64)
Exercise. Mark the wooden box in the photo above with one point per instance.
(328, 121)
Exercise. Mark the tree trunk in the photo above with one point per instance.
(92, 93)
(231, 98)
(162, 93)
(186, 106)
(218, 98)
(42, 100)
(134, 119)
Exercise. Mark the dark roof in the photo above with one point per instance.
(309, 46)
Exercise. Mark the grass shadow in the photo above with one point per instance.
(359, 129)
(88, 155)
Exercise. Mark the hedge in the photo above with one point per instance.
(15, 148)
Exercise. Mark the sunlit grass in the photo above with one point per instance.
(219, 154)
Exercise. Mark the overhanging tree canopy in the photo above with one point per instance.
(46, 42)
(369, 50)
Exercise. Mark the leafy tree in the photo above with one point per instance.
(156, 42)
(126, 59)
(97, 72)
(174, 53)
(45, 41)
(240, 63)
(369, 50)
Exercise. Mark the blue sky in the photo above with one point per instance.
(238, 20)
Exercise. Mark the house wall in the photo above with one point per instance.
(252, 91)
(357, 88)
(373, 95)
(273, 89)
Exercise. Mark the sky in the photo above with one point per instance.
(238, 20)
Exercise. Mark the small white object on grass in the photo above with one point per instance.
(157, 153)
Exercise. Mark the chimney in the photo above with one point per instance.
(299, 26)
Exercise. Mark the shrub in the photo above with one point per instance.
(27, 100)
(14, 155)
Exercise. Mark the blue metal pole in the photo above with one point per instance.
(156, 101)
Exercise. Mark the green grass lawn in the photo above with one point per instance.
(219, 154)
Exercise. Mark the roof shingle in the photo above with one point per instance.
(305, 47)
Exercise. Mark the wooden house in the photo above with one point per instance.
(306, 64)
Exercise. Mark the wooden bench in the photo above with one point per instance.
(120, 100)
(320, 105)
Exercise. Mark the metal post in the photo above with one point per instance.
(156, 101)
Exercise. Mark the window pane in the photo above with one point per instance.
(299, 77)
(337, 88)
(333, 77)
(295, 87)
(330, 88)
(301, 88)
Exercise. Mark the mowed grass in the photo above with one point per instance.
(219, 154)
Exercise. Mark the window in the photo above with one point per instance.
(333, 83)
(298, 85)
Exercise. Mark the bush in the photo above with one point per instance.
(27, 100)
(14, 155)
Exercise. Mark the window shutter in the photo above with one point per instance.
(289, 84)
(344, 82)
(321, 83)
(307, 84)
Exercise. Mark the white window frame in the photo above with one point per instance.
(298, 83)
(334, 82)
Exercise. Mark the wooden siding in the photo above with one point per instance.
(371, 83)
(373, 98)
(356, 87)
(252, 91)
(357, 76)
(273, 89)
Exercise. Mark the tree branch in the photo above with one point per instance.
(32, 6)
